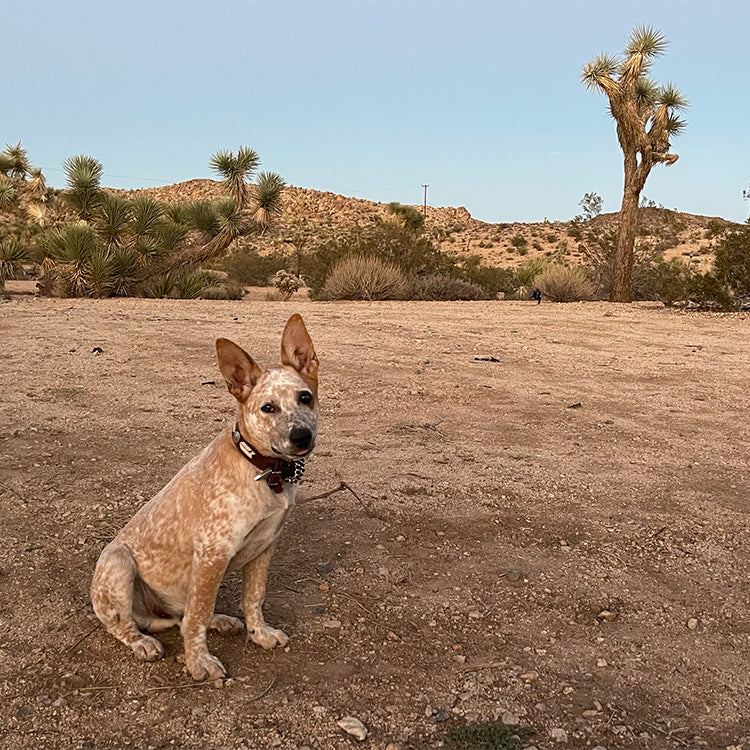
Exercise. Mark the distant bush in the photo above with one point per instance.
(444, 288)
(233, 292)
(551, 237)
(365, 277)
(250, 268)
(287, 283)
(564, 284)
(518, 241)
(528, 271)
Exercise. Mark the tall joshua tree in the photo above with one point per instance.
(645, 115)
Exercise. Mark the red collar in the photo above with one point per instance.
(275, 471)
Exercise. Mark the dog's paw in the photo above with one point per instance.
(205, 667)
(267, 637)
(147, 648)
(225, 624)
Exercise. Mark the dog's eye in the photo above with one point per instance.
(268, 408)
(305, 397)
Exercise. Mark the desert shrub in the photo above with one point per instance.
(527, 272)
(411, 219)
(444, 288)
(491, 278)
(564, 284)
(551, 237)
(732, 263)
(192, 284)
(575, 230)
(286, 283)
(537, 245)
(231, 291)
(518, 241)
(366, 277)
(385, 240)
(598, 252)
(249, 267)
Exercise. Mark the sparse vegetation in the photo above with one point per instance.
(287, 283)
(365, 277)
(564, 284)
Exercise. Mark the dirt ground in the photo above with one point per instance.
(603, 451)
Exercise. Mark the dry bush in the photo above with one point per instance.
(445, 288)
(365, 277)
(564, 284)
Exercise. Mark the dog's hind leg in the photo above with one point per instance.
(112, 597)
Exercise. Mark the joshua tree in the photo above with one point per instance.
(646, 120)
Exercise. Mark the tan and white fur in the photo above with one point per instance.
(165, 566)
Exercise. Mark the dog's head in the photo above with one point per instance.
(278, 408)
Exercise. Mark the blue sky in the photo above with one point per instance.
(372, 98)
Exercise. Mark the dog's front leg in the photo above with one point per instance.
(254, 576)
(206, 574)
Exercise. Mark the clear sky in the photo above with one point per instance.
(373, 98)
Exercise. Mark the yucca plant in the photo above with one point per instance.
(148, 215)
(124, 268)
(99, 273)
(6, 163)
(267, 199)
(8, 192)
(37, 188)
(192, 284)
(645, 114)
(235, 171)
(159, 287)
(71, 249)
(16, 161)
(12, 255)
(112, 220)
(83, 175)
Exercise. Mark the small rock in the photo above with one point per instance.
(589, 712)
(97, 350)
(529, 676)
(61, 703)
(692, 623)
(601, 662)
(323, 568)
(318, 609)
(514, 574)
(607, 615)
(441, 714)
(558, 734)
(319, 711)
(353, 726)
(475, 614)
(332, 624)
(510, 718)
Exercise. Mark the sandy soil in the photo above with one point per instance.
(605, 455)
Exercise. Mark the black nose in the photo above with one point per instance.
(301, 437)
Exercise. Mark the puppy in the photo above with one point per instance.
(223, 511)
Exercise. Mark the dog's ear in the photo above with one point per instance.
(297, 350)
(238, 369)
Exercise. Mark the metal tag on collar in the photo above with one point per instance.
(262, 474)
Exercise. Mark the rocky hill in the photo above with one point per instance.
(687, 236)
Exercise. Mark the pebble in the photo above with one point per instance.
(510, 718)
(558, 734)
(353, 726)
(514, 574)
(529, 676)
(332, 624)
(607, 615)
(601, 662)
(324, 568)
(692, 623)
(475, 614)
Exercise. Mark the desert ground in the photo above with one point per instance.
(545, 522)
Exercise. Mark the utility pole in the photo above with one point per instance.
(425, 199)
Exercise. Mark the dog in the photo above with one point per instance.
(222, 511)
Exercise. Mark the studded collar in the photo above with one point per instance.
(275, 471)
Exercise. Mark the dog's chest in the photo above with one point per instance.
(262, 534)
